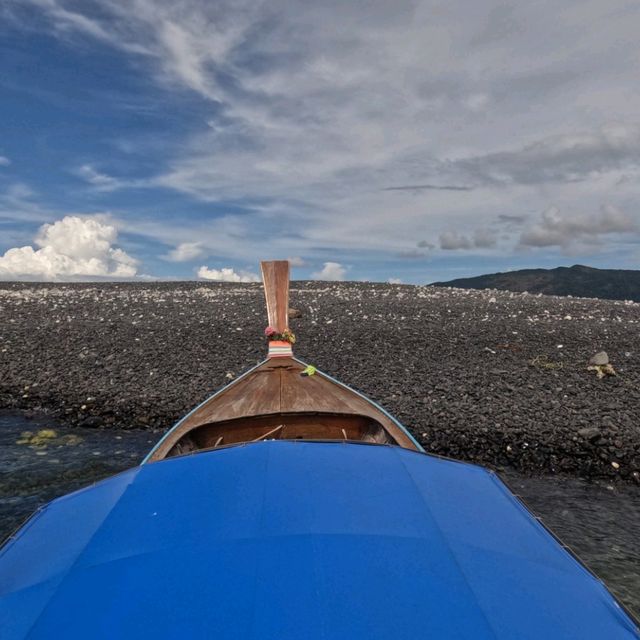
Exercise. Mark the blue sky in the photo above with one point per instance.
(414, 141)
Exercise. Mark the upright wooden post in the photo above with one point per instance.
(275, 275)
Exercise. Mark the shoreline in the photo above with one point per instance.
(495, 378)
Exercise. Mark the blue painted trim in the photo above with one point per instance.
(177, 424)
(371, 402)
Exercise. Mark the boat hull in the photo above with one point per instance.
(277, 393)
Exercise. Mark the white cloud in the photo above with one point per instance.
(297, 261)
(564, 230)
(101, 181)
(70, 248)
(185, 251)
(226, 274)
(476, 101)
(330, 271)
(66, 21)
(394, 281)
(4, 161)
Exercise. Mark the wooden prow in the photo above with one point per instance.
(280, 399)
(275, 275)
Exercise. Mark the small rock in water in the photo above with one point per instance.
(92, 422)
(601, 358)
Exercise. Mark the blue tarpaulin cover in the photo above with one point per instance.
(298, 540)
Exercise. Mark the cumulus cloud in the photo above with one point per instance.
(557, 229)
(4, 161)
(332, 271)
(452, 241)
(297, 261)
(226, 274)
(479, 239)
(185, 251)
(394, 281)
(70, 248)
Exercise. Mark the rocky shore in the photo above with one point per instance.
(492, 377)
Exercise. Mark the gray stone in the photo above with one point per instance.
(601, 358)
(590, 433)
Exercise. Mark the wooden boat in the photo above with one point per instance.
(289, 506)
(275, 400)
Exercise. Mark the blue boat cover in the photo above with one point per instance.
(283, 540)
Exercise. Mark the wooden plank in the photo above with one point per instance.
(257, 394)
(275, 275)
(264, 436)
(318, 393)
(315, 393)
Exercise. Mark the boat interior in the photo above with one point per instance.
(282, 426)
(281, 399)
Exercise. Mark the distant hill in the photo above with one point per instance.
(585, 282)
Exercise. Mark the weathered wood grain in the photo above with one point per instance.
(276, 393)
(275, 275)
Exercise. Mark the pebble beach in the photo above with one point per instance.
(496, 378)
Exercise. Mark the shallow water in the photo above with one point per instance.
(36, 468)
(599, 522)
(40, 461)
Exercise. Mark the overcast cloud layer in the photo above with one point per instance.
(383, 140)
